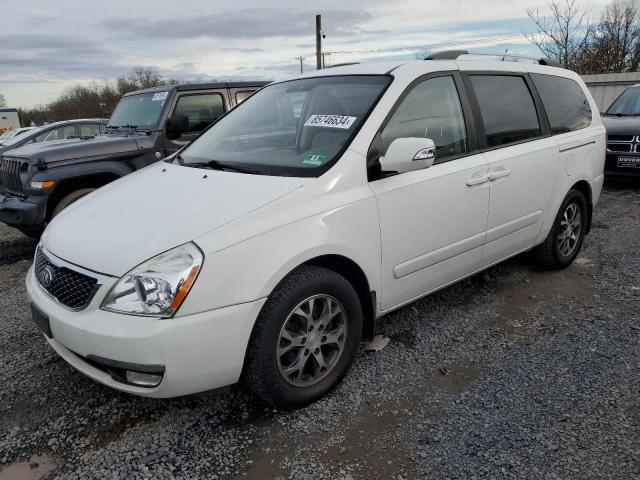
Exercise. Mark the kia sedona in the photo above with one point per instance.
(265, 250)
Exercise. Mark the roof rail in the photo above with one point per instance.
(342, 64)
(455, 54)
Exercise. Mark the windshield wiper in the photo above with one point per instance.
(218, 165)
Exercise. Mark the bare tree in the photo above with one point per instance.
(3, 102)
(565, 34)
(615, 46)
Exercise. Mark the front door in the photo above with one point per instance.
(432, 221)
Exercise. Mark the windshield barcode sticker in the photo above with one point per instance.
(159, 96)
(331, 121)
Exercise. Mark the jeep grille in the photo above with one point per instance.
(10, 176)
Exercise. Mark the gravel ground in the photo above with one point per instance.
(514, 373)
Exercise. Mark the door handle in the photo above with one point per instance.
(499, 173)
(478, 180)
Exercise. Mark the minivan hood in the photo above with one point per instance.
(153, 210)
(69, 151)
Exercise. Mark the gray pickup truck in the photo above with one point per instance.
(38, 181)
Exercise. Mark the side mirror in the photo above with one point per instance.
(408, 154)
(176, 126)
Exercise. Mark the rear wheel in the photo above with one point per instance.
(69, 199)
(563, 243)
(305, 338)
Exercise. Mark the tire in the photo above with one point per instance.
(32, 232)
(69, 199)
(266, 371)
(554, 253)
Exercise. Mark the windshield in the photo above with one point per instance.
(139, 111)
(295, 128)
(21, 137)
(627, 104)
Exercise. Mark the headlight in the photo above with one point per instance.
(157, 287)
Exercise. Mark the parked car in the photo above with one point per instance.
(89, 127)
(622, 121)
(39, 180)
(9, 134)
(267, 248)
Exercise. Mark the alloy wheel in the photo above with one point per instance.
(570, 230)
(312, 340)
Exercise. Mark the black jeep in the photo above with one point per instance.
(38, 181)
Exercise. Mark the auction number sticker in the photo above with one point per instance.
(331, 121)
(159, 96)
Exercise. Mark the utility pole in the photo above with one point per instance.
(318, 42)
(301, 58)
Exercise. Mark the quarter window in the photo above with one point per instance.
(242, 95)
(430, 110)
(564, 101)
(199, 111)
(507, 109)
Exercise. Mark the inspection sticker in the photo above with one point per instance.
(316, 159)
(331, 121)
(159, 96)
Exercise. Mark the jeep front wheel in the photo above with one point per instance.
(69, 199)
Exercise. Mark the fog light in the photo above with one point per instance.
(143, 379)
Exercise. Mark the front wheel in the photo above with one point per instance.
(305, 338)
(563, 243)
(69, 199)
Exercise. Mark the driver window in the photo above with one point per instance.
(197, 112)
(60, 133)
(431, 110)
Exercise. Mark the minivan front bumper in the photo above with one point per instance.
(195, 353)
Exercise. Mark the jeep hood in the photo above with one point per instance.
(69, 151)
(153, 210)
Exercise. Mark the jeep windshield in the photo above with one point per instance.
(138, 112)
(294, 128)
(627, 104)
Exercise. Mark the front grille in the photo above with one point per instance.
(10, 176)
(72, 289)
(621, 138)
(620, 147)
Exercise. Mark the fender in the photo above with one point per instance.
(74, 171)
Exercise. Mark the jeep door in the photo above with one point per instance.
(192, 112)
(432, 221)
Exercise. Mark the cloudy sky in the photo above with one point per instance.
(46, 46)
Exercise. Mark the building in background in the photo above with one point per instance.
(9, 119)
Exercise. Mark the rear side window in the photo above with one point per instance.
(199, 111)
(89, 130)
(507, 109)
(566, 104)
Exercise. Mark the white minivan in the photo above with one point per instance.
(267, 248)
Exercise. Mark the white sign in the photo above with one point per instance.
(331, 121)
(159, 96)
